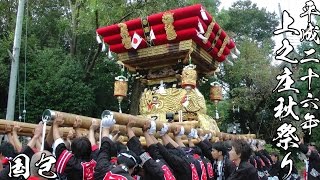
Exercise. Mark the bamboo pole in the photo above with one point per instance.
(138, 131)
(186, 142)
(122, 120)
(27, 129)
(70, 120)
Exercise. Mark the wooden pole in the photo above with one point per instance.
(27, 129)
(122, 120)
(70, 120)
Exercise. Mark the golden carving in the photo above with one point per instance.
(207, 122)
(144, 21)
(216, 38)
(152, 103)
(189, 76)
(167, 19)
(171, 101)
(209, 31)
(120, 88)
(216, 93)
(225, 42)
(126, 39)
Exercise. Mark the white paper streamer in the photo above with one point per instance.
(201, 30)
(237, 51)
(203, 14)
(103, 47)
(234, 56)
(201, 36)
(98, 39)
(229, 62)
(110, 54)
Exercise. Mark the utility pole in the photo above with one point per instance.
(15, 62)
(294, 95)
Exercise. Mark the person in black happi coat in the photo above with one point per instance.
(240, 154)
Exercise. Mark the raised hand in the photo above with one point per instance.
(178, 131)
(131, 123)
(16, 127)
(193, 134)
(94, 124)
(108, 121)
(77, 123)
(115, 130)
(164, 130)
(146, 126)
(71, 134)
(58, 121)
(38, 130)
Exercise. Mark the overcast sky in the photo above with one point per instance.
(294, 7)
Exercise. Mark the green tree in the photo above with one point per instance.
(55, 83)
(247, 20)
(251, 81)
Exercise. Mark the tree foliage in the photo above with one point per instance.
(246, 19)
(250, 81)
(54, 81)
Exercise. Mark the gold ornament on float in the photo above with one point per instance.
(216, 95)
(120, 89)
(215, 92)
(189, 77)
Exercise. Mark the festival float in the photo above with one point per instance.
(170, 52)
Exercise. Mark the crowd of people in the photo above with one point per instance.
(166, 158)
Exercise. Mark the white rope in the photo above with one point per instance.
(100, 134)
(43, 134)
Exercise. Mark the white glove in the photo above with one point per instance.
(110, 136)
(164, 129)
(193, 134)
(207, 136)
(181, 132)
(153, 128)
(108, 121)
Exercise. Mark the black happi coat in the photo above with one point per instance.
(245, 171)
(118, 173)
(103, 160)
(275, 169)
(209, 168)
(72, 167)
(266, 161)
(229, 166)
(179, 165)
(313, 162)
(154, 169)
